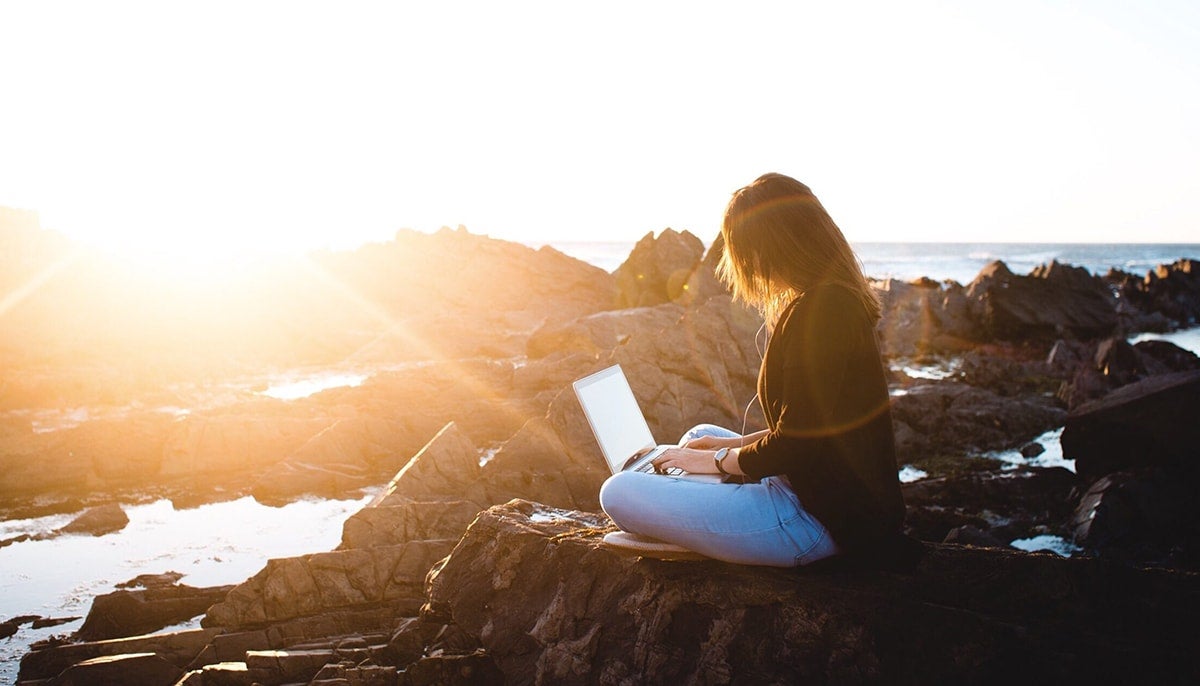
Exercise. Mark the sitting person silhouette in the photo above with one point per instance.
(821, 479)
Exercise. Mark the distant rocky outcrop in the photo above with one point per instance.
(1053, 301)
(658, 268)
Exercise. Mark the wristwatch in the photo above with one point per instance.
(720, 457)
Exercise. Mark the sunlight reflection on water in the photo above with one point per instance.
(211, 545)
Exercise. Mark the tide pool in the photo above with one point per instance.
(211, 545)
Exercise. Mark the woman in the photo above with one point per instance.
(821, 480)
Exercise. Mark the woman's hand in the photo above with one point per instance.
(688, 459)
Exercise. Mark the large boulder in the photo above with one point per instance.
(1052, 301)
(551, 605)
(1140, 516)
(658, 269)
(1148, 423)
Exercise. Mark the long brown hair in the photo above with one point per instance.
(779, 242)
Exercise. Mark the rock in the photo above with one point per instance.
(1007, 505)
(212, 444)
(960, 615)
(1151, 422)
(971, 535)
(348, 454)
(924, 317)
(1142, 516)
(448, 466)
(1007, 370)
(1172, 291)
(703, 283)
(1051, 301)
(136, 669)
(1032, 449)
(599, 333)
(1164, 357)
(47, 622)
(45, 661)
(389, 578)
(395, 520)
(953, 419)
(471, 669)
(657, 270)
(97, 521)
(134, 612)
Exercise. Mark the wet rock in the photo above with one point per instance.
(134, 612)
(1151, 422)
(952, 418)
(658, 268)
(1032, 449)
(97, 521)
(1005, 616)
(1007, 505)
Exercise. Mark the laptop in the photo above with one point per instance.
(620, 427)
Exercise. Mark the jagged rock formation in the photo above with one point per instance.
(658, 269)
(550, 605)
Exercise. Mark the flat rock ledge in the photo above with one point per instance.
(549, 604)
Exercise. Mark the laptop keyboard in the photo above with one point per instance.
(648, 467)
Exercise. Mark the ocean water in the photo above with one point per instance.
(959, 262)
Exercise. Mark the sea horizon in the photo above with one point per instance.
(958, 261)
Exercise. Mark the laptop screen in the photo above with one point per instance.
(612, 410)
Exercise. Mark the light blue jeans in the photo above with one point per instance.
(757, 523)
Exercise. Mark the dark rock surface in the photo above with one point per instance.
(1052, 301)
(134, 612)
(1151, 422)
(959, 615)
(1007, 505)
(947, 418)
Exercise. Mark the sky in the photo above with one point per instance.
(209, 128)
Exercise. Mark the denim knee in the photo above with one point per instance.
(706, 430)
(615, 496)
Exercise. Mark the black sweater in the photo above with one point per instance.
(825, 398)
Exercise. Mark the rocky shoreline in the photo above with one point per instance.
(481, 435)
